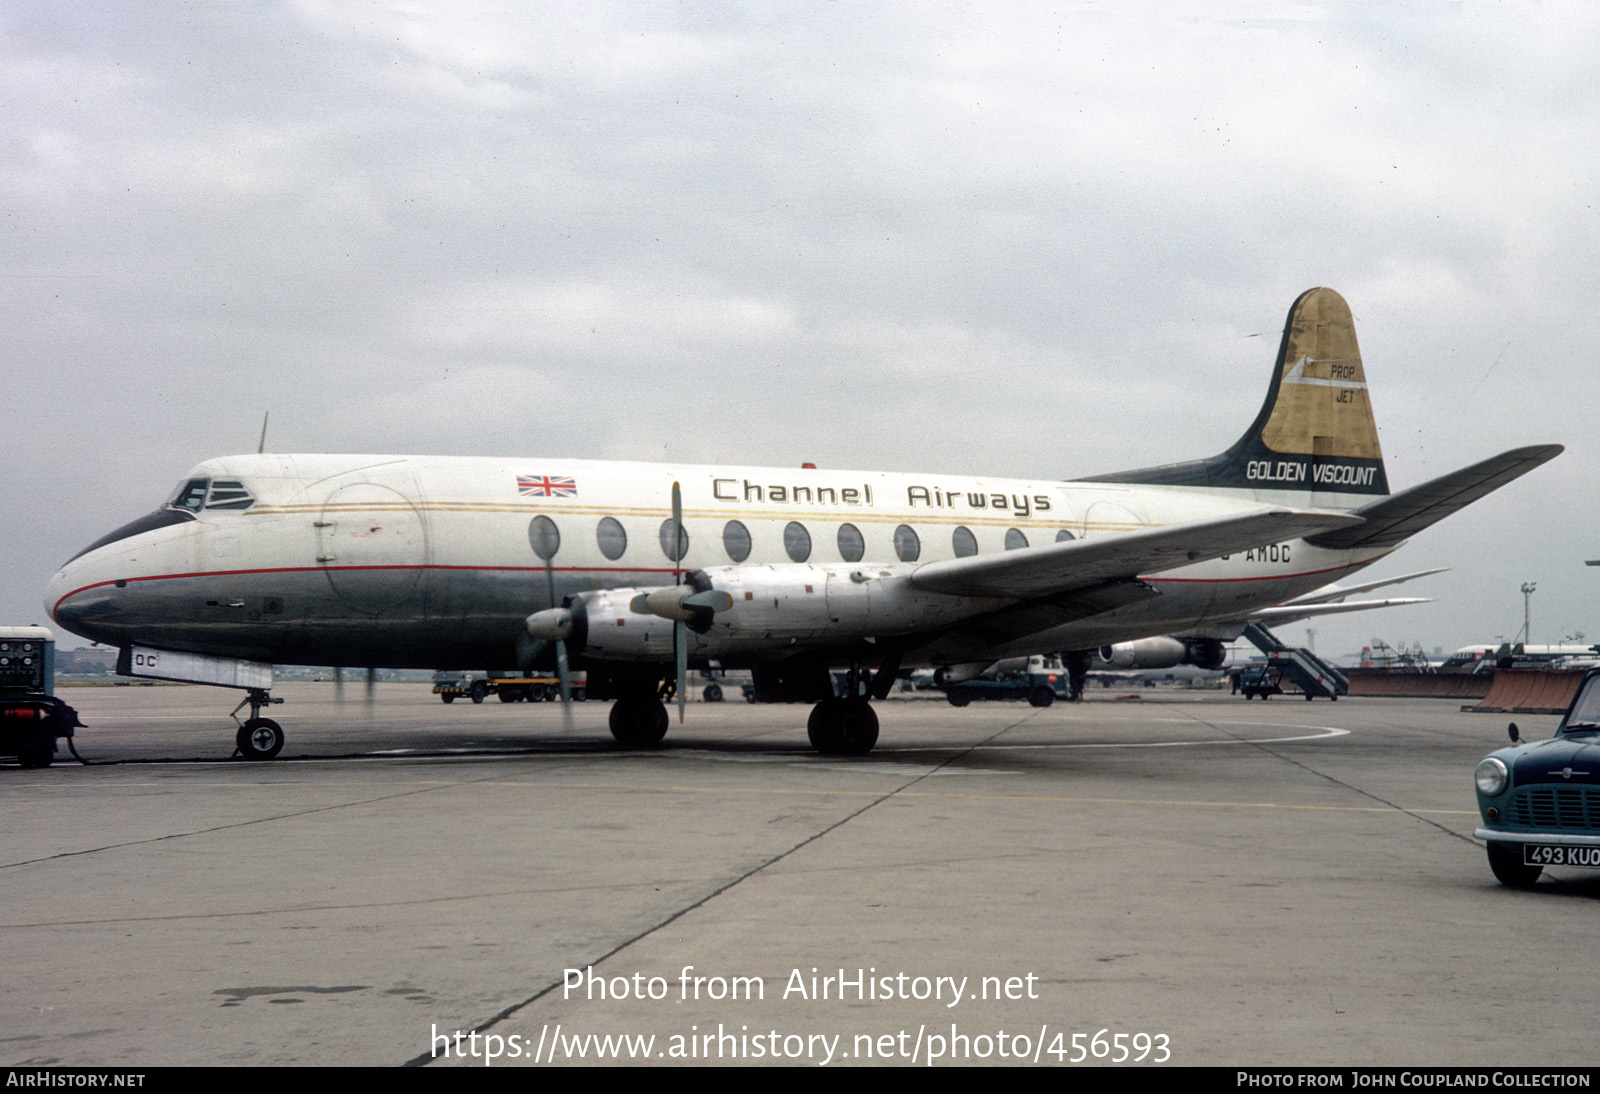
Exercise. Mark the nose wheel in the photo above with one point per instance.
(258, 738)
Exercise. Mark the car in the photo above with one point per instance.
(1540, 800)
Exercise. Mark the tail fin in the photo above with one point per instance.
(1315, 435)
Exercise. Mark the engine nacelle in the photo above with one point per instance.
(1164, 652)
(774, 608)
(945, 675)
(1145, 653)
(1206, 653)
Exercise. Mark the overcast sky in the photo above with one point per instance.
(1010, 239)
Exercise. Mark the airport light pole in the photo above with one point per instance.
(1527, 598)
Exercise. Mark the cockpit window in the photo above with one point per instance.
(191, 495)
(229, 494)
(196, 494)
(190, 498)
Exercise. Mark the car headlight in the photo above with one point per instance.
(1491, 777)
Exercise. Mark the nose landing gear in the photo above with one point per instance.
(258, 738)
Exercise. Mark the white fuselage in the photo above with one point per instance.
(428, 562)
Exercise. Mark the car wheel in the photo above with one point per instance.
(958, 698)
(1505, 859)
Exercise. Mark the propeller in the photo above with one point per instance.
(687, 608)
(563, 677)
(371, 691)
(553, 624)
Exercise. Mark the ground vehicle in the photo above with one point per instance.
(31, 717)
(1040, 681)
(511, 687)
(1263, 680)
(1540, 800)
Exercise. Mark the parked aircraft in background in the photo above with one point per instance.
(639, 571)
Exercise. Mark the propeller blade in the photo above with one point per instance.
(677, 535)
(338, 685)
(680, 649)
(680, 629)
(372, 690)
(555, 624)
(565, 676)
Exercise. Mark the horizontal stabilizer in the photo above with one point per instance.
(1031, 572)
(1293, 613)
(1401, 516)
(1338, 592)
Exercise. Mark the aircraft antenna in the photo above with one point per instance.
(261, 446)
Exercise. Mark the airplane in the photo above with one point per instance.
(638, 571)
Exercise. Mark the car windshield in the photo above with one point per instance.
(1585, 716)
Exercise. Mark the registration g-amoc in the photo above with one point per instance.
(639, 572)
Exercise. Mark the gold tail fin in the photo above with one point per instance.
(1322, 407)
(1314, 435)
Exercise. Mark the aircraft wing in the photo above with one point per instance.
(1033, 572)
(1294, 612)
(1398, 517)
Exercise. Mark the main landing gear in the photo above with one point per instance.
(847, 725)
(840, 725)
(639, 721)
(843, 727)
(258, 738)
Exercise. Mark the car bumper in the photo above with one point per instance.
(1561, 839)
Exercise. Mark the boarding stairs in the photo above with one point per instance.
(1310, 673)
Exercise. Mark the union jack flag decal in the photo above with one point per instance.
(547, 486)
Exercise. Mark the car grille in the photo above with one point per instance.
(1556, 807)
